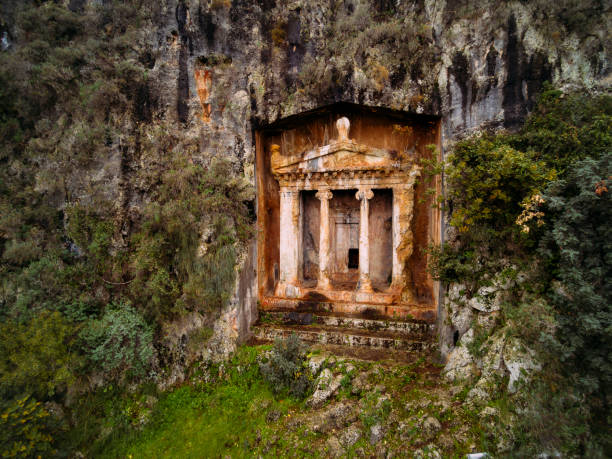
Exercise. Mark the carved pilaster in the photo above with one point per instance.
(403, 238)
(289, 243)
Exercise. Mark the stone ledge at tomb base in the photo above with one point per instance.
(346, 330)
(377, 327)
(370, 310)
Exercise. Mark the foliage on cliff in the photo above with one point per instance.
(539, 199)
(85, 283)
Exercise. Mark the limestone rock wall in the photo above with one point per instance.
(221, 68)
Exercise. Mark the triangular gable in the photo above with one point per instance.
(343, 154)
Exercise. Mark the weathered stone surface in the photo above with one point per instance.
(487, 299)
(377, 433)
(361, 383)
(335, 449)
(492, 362)
(350, 436)
(520, 362)
(461, 318)
(483, 391)
(487, 321)
(315, 363)
(460, 364)
(428, 452)
(334, 417)
(430, 427)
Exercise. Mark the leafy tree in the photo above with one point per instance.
(578, 246)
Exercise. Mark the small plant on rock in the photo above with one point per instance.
(285, 369)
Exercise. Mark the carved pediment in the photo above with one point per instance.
(340, 155)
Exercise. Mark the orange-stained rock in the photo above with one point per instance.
(203, 79)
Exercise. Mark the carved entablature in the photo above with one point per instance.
(343, 163)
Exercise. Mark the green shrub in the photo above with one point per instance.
(24, 429)
(373, 411)
(487, 182)
(37, 357)
(120, 343)
(176, 269)
(566, 127)
(286, 370)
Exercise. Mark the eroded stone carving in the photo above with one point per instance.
(331, 171)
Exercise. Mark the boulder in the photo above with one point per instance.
(430, 426)
(460, 364)
(429, 452)
(327, 386)
(361, 384)
(315, 363)
(487, 299)
(334, 448)
(334, 417)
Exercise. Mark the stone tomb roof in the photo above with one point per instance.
(342, 159)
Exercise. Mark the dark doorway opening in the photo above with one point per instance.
(353, 258)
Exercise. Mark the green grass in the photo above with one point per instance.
(224, 409)
(202, 420)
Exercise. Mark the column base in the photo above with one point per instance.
(287, 290)
(365, 285)
(324, 284)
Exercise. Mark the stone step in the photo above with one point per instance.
(419, 312)
(410, 327)
(325, 334)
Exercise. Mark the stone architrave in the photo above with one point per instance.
(365, 284)
(324, 196)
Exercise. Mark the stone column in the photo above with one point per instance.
(324, 196)
(365, 284)
(289, 243)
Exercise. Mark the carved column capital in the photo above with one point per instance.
(365, 193)
(324, 195)
(288, 193)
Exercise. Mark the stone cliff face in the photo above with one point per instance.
(219, 69)
(223, 67)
